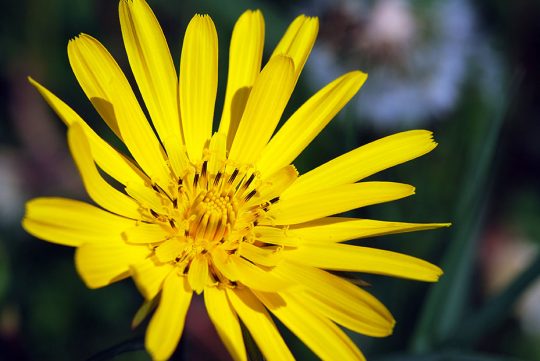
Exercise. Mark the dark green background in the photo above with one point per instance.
(483, 178)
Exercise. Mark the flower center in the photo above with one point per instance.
(214, 214)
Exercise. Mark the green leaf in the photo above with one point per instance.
(447, 300)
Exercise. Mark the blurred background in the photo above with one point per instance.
(467, 69)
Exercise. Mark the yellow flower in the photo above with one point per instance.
(225, 214)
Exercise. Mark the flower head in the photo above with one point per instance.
(226, 214)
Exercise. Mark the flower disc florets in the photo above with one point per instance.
(212, 210)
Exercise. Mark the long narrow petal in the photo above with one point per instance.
(111, 161)
(225, 321)
(256, 277)
(72, 223)
(266, 103)
(198, 273)
(98, 189)
(340, 300)
(344, 257)
(105, 84)
(147, 197)
(294, 208)
(149, 275)
(275, 235)
(366, 160)
(145, 233)
(260, 324)
(320, 334)
(245, 55)
(166, 326)
(298, 41)
(198, 83)
(101, 264)
(153, 68)
(304, 125)
(340, 229)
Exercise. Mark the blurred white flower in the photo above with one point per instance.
(418, 57)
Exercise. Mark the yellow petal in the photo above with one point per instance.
(295, 208)
(72, 223)
(144, 233)
(298, 41)
(101, 264)
(257, 277)
(267, 100)
(274, 185)
(245, 55)
(366, 160)
(169, 250)
(149, 275)
(274, 235)
(198, 83)
(320, 334)
(263, 256)
(340, 300)
(108, 159)
(198, 273)
(154, 71)
(340, 229)
(98, 189)
(165, 328)
(147, 197)
(143, 311)
(304, 125)
(260, 324)
(225, 321)
(222, 260)
(344, 257)
(105, 84)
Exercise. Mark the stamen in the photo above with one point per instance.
(250, 195)
(248, 182)
(216, 180)
(204, 169)
(233, 176)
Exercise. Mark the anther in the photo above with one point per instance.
(171, 222)
(175, 203)
(248, 182)
(250, 195)
(196, 180)
(274, 200)
(204, 168)
(233, 176)
(217, 179)
(154, 213)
